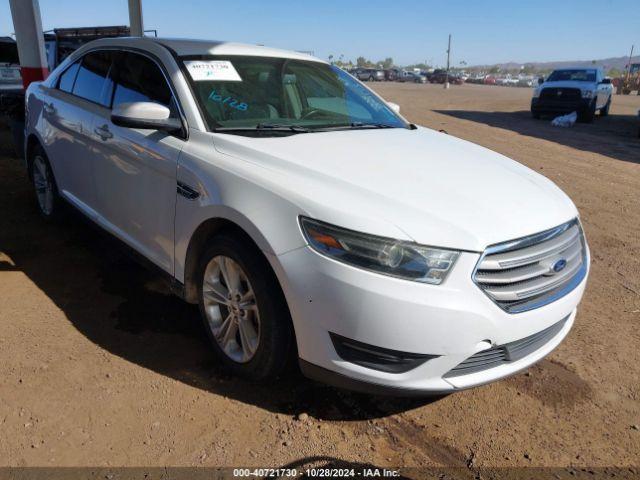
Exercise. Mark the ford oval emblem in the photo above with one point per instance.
(559, 265)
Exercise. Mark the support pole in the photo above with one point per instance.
(446, 83)
(135, 18)
(27, 25)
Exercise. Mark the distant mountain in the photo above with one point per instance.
(605, 63)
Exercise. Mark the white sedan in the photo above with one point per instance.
(306, 217)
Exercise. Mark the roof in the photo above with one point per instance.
(185, 47)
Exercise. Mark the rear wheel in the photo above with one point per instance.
(44, 185)
(243, 309)
(535, 115)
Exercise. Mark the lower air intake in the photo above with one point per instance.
(507, 353)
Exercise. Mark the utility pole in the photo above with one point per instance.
(446, 83)
(135, 18)
(628, 69)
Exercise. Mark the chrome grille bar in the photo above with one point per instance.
(528, 273)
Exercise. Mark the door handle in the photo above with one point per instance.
(49, 109)
(103, 132)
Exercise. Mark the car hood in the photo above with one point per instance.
(570, 84)
(418, 185)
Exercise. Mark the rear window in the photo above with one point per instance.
(92, 82)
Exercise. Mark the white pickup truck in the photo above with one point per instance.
(581, 90)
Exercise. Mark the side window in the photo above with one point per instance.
(139, 79)
(93, 82)
(68, 78)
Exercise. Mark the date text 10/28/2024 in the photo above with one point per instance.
(320, 472)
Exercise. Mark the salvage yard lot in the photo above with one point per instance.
(99, 365)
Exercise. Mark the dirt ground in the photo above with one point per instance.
(100, 366)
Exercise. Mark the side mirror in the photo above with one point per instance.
(540, 81)
(145, 115)
(606, 81)
(394, 106)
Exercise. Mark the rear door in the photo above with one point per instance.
(82, 90)
(135, 169)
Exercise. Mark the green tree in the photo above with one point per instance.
(387, 63)
(362, 62)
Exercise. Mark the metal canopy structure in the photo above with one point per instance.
(27, 25)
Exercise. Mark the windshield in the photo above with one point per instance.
(574, 75)
(242, 92)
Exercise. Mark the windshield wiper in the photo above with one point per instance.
(356, 126)
(282, 127)
(265, 127)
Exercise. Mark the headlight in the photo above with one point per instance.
(387, 256)
(587, 93)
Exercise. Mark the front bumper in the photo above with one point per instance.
(542, 106)
(450, 322)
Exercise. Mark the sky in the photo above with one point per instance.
(409, 31)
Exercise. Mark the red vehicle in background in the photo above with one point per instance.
(489, 80)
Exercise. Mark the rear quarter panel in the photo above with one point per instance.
(35, 98)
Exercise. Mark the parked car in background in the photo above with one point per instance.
(224, 165)
(456, 79)
(391, 74)
(438, 76)
(489, 80)
(369, 74)
(476, 78)
(9, 64)
(409, 76)
(582, 90)
(526, 81)
(11, 90)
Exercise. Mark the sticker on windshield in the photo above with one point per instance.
(219, 70)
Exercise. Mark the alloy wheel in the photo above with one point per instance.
(231, 309)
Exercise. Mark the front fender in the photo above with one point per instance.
(226, 193)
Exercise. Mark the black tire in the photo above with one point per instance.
(276, 337)
(588, 115)
(535, 115)
(42, 179)
(604, 111)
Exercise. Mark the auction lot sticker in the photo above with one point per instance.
(218, 70)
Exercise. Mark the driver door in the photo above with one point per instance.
(135, 169)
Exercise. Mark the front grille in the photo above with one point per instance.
(561, 94)
(533, 271)
(507, 353)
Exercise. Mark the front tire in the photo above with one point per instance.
(588, 115)
(243, 308)
(535, 115)
(45, 189)
(604, 111)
